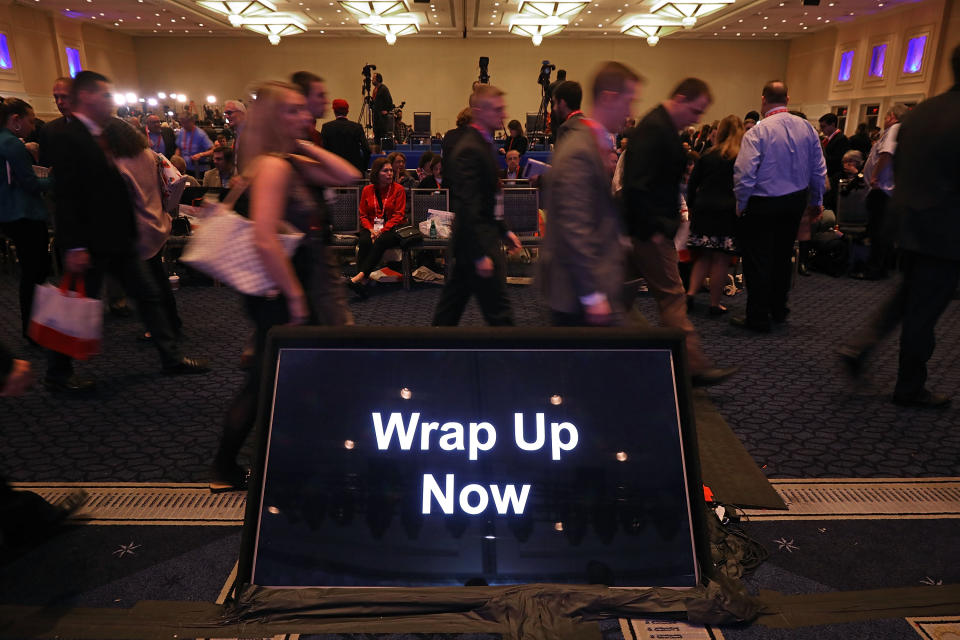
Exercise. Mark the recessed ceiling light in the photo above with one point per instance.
(804, 27)
(438, 33)
(826, 21)
(600, 25)
(715, 33)
(200, 25)
(723, 27)
(764, 26)
(738, 34)
(851, 13)
(766, 17)
(784, 20)
(776, 34)
(740, 20)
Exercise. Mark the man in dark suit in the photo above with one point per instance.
(513, 170)
(834, 143)
(927, 202)
(346, 138)
(96, 228)
(162, 139)
(566, 100)
(582, 262)
(653, 169)
(479, 267)
(51, 131)
(382, 107)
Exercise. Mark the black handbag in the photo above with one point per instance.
(409, 235)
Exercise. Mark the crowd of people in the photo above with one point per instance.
(623, 198)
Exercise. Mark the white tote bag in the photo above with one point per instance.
(66, 321)
(223, 248)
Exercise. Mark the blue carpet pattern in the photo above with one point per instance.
(792, 405)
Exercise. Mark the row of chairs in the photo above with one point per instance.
(521, 209)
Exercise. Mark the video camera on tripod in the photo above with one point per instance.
(365, 89)
(545, 70)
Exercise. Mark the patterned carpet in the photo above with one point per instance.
(792, 405)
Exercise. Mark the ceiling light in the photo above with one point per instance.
(181, 98)
(237, 10)
(390, 26)
(537, 28)
(274, 24)
(366, 9)
(211, 99)
(561, 9)
(651, 27)
(688, 11)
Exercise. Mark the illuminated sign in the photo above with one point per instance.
(445, 459)
(913, 61)
(73, 61)
(5, 62)
(877, 60)
(846, 66)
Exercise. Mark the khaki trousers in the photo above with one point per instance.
(656, 261)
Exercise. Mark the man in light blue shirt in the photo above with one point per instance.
(192, 142)
(780, 173)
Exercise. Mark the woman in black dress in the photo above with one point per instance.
(713, 213)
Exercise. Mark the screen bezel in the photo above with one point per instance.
(525, 338)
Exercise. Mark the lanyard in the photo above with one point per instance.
(156, 145)
(773, 112)
(188, 145)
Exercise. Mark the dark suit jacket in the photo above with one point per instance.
(48, 138)
(382, 102)
(927, 175)
(451, 138)
(471, 175)
(833, 153)
(169, 142)
(651, 178)
(582, 253)
(565, 126)
(93, 208)
(428, 183)
(520, 143)
(346, 139)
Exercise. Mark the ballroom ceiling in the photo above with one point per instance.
(742, 19)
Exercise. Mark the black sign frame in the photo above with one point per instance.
(521, 338)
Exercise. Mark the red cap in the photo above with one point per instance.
(340, 106)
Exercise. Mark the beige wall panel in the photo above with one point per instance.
(435, 75)
(31, 35)
(812, 63)
(111, 53)
(950, 39)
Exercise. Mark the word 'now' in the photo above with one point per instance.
(503, 500)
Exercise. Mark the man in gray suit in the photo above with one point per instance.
(582, 261)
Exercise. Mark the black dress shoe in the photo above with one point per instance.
(73, 384)
(712, 376)
(357, 288)
(187, 366)
(120, 310)
(852, 359)
(779, 317)
(689, 303)
(718, 310)
(924, 400)
(743, 323)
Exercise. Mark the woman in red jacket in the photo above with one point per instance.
(382, 210)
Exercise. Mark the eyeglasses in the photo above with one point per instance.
(228, 112)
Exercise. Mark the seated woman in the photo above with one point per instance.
(434, 179)
(517, 141)
(399, 163)
(383, 206)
